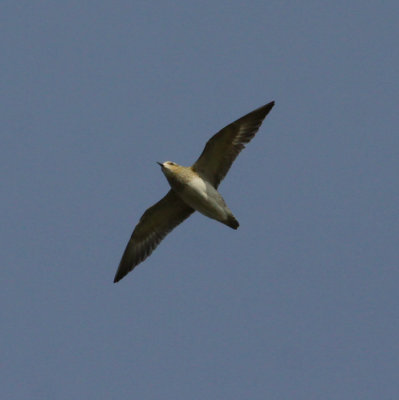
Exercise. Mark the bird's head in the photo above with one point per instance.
(168, 167)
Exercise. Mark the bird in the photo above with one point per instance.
(192, 189)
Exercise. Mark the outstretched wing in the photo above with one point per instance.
(153, 226)
(223, 148)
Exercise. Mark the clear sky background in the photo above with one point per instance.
(301, 302)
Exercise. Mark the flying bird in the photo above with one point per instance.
(192, 189)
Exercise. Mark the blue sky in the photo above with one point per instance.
(301, 302)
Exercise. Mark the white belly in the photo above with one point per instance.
(203, 197)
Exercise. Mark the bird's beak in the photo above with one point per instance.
(160, 164)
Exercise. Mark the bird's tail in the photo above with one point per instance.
(231, 222)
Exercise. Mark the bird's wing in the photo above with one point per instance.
(223, 148)
(153, 226)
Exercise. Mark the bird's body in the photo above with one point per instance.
(197, 192)
(192, 189)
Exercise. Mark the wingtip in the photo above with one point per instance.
(269, 106)
(118, 276)
(263, 110)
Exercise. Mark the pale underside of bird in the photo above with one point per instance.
(192, 189)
